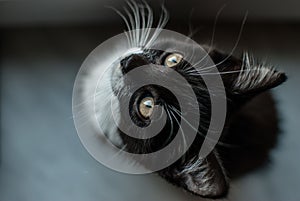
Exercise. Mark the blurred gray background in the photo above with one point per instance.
(43, 44)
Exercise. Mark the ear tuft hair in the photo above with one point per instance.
(255, 77)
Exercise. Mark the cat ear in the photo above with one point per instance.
(203, 177)
(245, 77)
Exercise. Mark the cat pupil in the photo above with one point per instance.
(148, 104)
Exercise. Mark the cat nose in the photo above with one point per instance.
(131, 62)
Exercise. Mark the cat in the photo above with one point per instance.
(250, 129)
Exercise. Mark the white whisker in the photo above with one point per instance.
(234, 47)
(212, 140)
(182, 132)
(132, 27)
(128, 35)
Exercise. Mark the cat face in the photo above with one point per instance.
(144, 99)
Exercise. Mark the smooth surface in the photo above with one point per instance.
(42, 157)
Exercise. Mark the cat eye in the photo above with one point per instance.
(146, 107)
(173, 59)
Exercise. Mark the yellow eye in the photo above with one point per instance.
(173, 59)
(146, 107)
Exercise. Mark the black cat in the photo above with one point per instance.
(250, 129)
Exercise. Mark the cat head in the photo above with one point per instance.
(242, 79)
